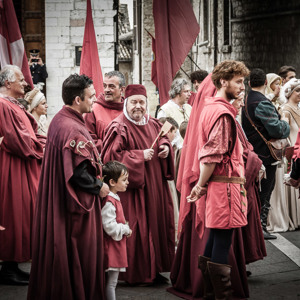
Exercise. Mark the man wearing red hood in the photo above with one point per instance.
(107, 107)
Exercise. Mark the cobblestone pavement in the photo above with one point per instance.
(277, 277)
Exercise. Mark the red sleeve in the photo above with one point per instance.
(90, 122)
(17, 139)
(219, 142)
(116, 147)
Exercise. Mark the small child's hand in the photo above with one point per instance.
(129, 234)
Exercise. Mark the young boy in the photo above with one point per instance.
(115, 227)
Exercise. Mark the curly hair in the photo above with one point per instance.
(227, 70)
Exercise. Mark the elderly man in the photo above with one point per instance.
(147, 202)
(67, 246)
(21, 152)
(107, 107)
(177, 108)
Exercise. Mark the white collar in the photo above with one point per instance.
(115, 196)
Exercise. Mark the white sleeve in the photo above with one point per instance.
(270, 96)
(161, 114)
(111, 227)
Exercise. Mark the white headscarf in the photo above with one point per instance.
(144, 120)
(34, 98)
(290, 86)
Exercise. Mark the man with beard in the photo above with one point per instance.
(177, 108)
(21, 152)
(147, 203)
(67, 248)
(108, 106)
(221, 181)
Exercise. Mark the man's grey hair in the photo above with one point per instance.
(116, 74)
(8, 73)
(176, 87)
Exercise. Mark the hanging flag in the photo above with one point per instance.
(12, 50)
(89, 62)
(176, 30)
(153, 61)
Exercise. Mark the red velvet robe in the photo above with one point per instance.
(21, 153)
(254, 244)
(147, 203)
(103, 113)
(68, 234)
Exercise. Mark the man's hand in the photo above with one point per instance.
(104, 190)
(196, 193)
(2, 228)
(164, 151)
(40, 62)
(148, 154)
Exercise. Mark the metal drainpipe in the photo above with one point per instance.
(215, 32)
(116, 21)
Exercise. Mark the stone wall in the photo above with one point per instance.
(264, 34)
(64, 21)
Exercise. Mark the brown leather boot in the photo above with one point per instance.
(208, 291)
(220, 278)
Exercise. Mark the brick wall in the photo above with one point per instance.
(64, 21)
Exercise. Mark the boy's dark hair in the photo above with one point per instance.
(282, 72)
(182, 128)
(257, 77)
(171, 121)
(74, 86)
(113, 170)
(198, 75)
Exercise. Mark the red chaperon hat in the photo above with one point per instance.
(135, 89)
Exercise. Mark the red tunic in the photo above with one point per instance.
(21, 153)
(115, 251)
(147, 203)
(185, 275)
(226, 206)
(103, 113)
(68, 235)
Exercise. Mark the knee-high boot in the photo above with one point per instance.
(208, 292)
(220, 278)
(264, 219)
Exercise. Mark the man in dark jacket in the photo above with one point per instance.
(267, 120)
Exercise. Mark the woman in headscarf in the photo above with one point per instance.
(291, 113)
(38, 107)
(274, 89)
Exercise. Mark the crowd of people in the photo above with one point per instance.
(104, 194)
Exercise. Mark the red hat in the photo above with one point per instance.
(135, 89)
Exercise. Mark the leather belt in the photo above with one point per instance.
(232, 179)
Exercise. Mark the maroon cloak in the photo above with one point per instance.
(68, 235)
(147, 203)
(103, 113)
(185, 276)
(254, 243)
(21, 153)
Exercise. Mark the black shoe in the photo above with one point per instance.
(268, 235)
(12, 279)
(160, 279)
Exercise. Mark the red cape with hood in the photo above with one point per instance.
(21, 153)
(103, 113)
(147, 203)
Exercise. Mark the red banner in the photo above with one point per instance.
(176, 30)
(12, 50)
(89, 62)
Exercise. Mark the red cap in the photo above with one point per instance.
(135, 89)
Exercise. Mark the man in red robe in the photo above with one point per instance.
(67, 248)
(147, 203)
(21, 152)
(107, 107)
